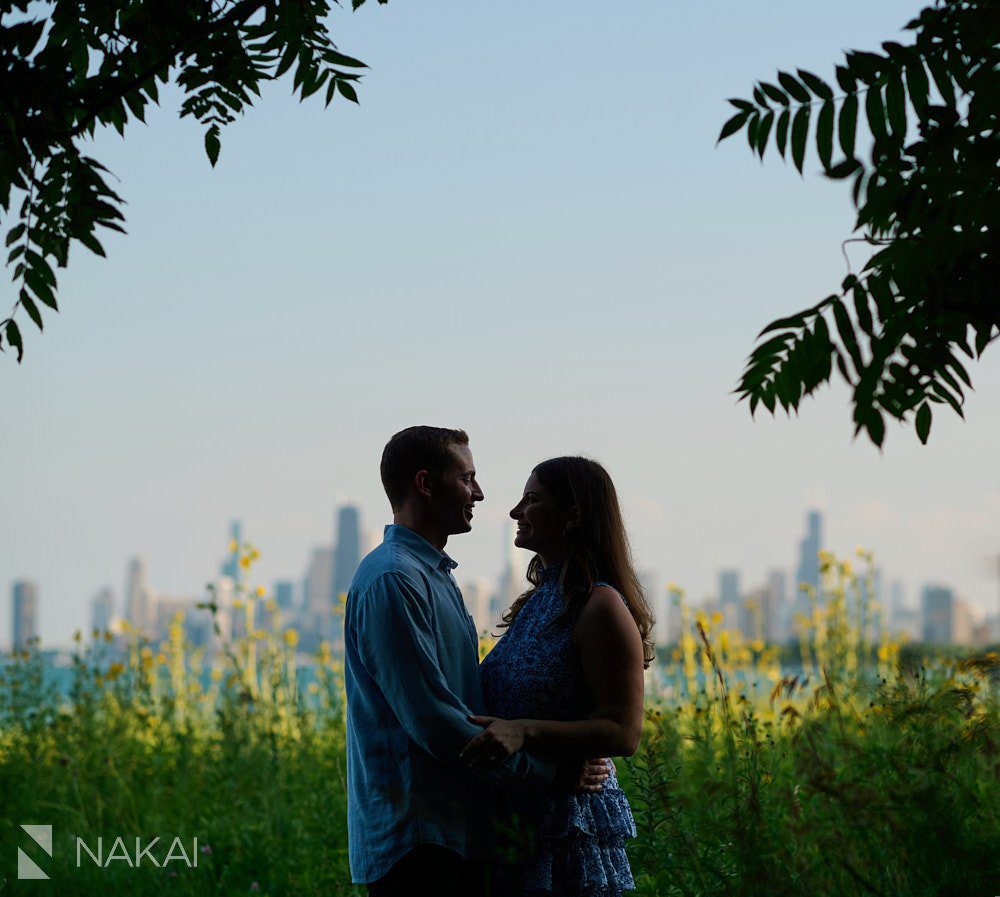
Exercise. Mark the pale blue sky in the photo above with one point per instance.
(525, 230)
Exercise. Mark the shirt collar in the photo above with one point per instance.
(419, 546)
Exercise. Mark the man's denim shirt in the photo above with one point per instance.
(412, 677)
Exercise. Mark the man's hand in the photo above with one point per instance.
(582, 775)
(499, 740)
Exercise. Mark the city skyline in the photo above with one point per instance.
(936, 613)
(556, 270)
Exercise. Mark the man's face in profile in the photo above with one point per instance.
(457, 491)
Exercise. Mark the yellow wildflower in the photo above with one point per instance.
(291, 637)
(233, 546)
(260, 591)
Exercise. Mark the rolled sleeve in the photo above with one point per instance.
(396, 643)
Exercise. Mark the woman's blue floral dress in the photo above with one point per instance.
(577, 840)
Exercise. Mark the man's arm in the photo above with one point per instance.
(395, 640)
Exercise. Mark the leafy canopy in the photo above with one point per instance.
(68, 67)
(928, 204)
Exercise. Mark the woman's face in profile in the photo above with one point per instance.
(541, 525)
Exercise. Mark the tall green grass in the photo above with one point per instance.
(855, 775)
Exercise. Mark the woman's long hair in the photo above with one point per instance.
(598, 544)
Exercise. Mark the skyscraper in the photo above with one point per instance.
(347, 554)
(807, 573)
(102, 609)
(284, 591)
(809, 549)
(657, 599)
(231, 565)
(939, 611)
(731, 601)
(138, 595)
(317, 589)
(476, 594)
(775, 608)
(25, 606)
(512, 581)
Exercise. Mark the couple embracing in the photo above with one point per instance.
(469, 779)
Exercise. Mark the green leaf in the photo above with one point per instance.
(794, 88)
(752, 131)
(800, 131)
(875, 425)
(824, 134)
(788, 323)
(15, 233)
(862, 310)
(728, 129)
(875, 111)
(32, 309)
(895, 100)
(91, 242)
(916, 81)
(287, 58)
(959, 369)
(848, 125)
(763, 130)
(347, 90)
(212, 144)
(744, 105)
(942, 79)
(817, 85)
(846, 80)
(779, 96)
(847, 336)
(14, 338)
(781, 131)
(40, 288)
(924, 422)
(335, 58)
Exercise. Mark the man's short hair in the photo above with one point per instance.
(413, 449)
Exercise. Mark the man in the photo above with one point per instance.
(418, 816)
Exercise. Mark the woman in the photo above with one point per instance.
(566, 679)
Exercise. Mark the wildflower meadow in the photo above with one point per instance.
(857, 769)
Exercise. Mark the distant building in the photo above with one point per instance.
(807, 572)
(512, 580)
(775, 607)
(868, 610)
(317, 605)
(809, 549)
(284, 594)
(963, 624)
(102, 610)
(476, 594)
(167, 610)
(139, 599)
(902, 620)
(231, 565)
(347, 553)
(731, 603)
(25, 618)
(658, 601)
(939, 615)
